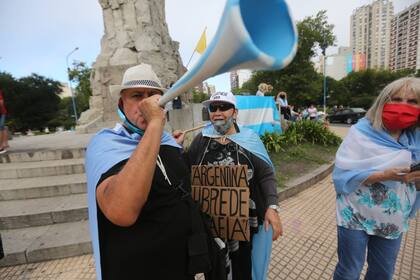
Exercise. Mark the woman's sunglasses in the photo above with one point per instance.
(221, 106)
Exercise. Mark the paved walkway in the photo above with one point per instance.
(306, 251)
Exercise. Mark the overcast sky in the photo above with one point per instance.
(36, 35)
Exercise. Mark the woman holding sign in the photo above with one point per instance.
(376, 188)
(225, 144)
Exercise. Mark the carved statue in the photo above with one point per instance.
(135, 32)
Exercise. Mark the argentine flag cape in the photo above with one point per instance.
(261, 241)
(366, 150)
(107, 148)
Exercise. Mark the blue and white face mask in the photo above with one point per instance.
(223, 126)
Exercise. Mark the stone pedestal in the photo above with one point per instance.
(135, 32)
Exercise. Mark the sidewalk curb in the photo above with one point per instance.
(302, 183)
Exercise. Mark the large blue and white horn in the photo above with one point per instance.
(252, 34)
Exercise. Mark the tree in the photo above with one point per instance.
(364, 86)
(64, 115)
(80, 74)
(31, 101)
(198, 96)
(299, 79)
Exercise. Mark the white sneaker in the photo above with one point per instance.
(2, 151)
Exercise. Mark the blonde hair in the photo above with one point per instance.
(374, 114)
(263, 87)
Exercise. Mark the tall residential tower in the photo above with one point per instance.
(405, 36)
(370, 32)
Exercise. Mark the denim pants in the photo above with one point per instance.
(382, 254)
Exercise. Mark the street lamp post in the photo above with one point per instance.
(71, 90)
(325, 79)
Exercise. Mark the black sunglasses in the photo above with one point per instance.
(221, 106)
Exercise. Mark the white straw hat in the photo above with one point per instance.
(139, 76)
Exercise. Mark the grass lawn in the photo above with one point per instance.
(295, 161)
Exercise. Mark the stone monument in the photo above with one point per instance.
(135, 32)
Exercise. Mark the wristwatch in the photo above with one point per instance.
(274, 207)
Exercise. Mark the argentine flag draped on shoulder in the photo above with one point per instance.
(366, 150)
(246, 138)
(107, 148)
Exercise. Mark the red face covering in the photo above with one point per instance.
(397, 116)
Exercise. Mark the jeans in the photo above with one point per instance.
(2, 120)
(382, 254)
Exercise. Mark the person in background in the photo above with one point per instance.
(377, 192)
(177, 101)
(4, 137)
(1, 249)
(264, 88)
(281, 100)
(225, 143)
(295, 116)
(261, 89)
(312, 112)
(305, 114)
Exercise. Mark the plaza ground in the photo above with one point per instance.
(307, 250)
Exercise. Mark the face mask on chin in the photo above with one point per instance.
(399, 116)
(223, 126)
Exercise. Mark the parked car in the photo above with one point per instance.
(348, 115)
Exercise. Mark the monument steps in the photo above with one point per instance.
(42, 155)
(41, 168)
(39, 187)
(42, 211)
(43, 205)
(42, 243)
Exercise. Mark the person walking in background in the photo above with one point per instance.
(376, 189)
(177, 101)
(284, 108)
(4, 137)
(294, 116)
(1, 249)
(312, 112)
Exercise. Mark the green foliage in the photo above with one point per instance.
(299, 79)
(364, 86)
(65, 115)
(314, 132)
(273, 141)
(304, 131)
(198, 97)
(80, 74)
(31, 101)
(304, 85)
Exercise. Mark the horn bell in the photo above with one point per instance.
(252, 34)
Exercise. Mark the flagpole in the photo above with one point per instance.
(190, 59)
(195, 50)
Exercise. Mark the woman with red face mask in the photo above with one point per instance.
(377, 192)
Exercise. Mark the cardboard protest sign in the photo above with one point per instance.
(223, 193)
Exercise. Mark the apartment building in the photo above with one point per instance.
(404, 39)
(370, 27)
(239, 77)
